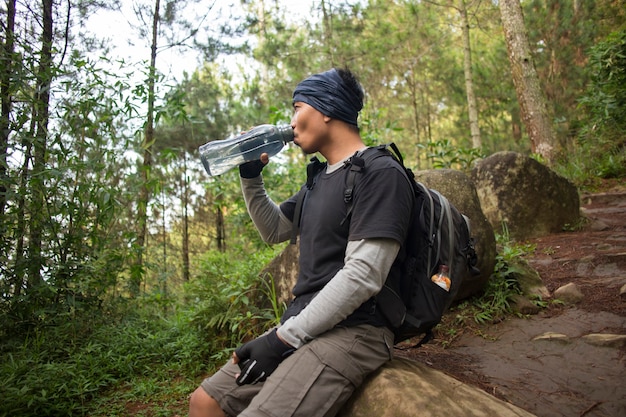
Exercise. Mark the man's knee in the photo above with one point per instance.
(202, 404)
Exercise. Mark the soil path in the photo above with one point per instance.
(548, 364)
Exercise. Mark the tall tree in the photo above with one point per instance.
(461, 7)
(146, 167)
(472, 108)
(174, 24)
(564, 31)
(529, 93)
(185, 229)
(41, 118)
(7, 58)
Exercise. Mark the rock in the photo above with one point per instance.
(622, 292)
(460, 190)
(404, 388)
(528, 278)
(584, 267)
(603, 247)
(606, 340)
(599, 226)
(525, 195)
(569, 294)
(523, 305)
(550, 336)
(283, 270)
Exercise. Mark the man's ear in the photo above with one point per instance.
(327, 119)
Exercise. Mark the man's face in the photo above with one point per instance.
(309, 127)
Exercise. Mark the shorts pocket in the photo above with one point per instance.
(304, 387)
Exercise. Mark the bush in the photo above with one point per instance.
(601, 142)
(54, 374)
(224, 295)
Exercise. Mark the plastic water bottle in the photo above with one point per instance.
(219, 156)
(441, 278)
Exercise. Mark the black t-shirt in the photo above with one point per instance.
(381, 208)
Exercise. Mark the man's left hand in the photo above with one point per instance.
(258, 358)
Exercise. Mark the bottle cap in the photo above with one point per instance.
(286, 132)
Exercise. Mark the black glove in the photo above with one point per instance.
(251, 169)
(260, 357)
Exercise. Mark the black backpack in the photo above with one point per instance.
(438, 235)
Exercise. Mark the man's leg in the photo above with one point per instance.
(219, 395)
(202, 404)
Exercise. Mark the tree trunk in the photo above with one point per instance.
(42, 116)
(148, 139)
(529, 94)
(328, 30)
(21, 262)
(6, 104)
(469, 79)
(413, 88)
(185, 203)
(219, 226)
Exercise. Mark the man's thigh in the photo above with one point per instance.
(320, 377)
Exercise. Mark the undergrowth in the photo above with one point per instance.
(52, 376)
(141, 356)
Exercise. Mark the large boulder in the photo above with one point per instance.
(460, 191)
(283, 272)
(526, 196)
(404, 388)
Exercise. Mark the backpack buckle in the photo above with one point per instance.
(356, 165)
(347, 195)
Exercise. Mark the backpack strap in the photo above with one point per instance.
(357, 165)
(428, 336)
(313, 169)
(431, 224)
(395, 152)
(447, 213)
(295, 225)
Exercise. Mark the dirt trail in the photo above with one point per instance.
(547, 364)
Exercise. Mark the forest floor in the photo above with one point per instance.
(562, 374)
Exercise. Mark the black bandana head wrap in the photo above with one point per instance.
(328, 93)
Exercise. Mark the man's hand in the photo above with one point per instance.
(258, 358)
(253, 169)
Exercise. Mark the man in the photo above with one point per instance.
(332, 335)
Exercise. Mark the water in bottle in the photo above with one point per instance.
(219, 156)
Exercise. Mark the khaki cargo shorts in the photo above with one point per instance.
(315, 381)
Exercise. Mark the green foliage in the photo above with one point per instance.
(444, 154)
(228, 298)
(601, 143)
(80, 363)
(59, 370)
(378, 129)
(502, 284)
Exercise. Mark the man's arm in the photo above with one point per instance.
(269, 220)
(367, 264)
